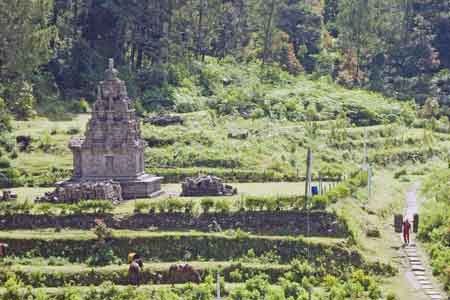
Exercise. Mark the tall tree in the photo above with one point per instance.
(25, 36)
(354, 23)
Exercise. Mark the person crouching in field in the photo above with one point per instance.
(136, 267)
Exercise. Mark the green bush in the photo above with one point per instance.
(73, 131)
(4, 163)
(10, 177)
(206, 204)
(400, 173)
(16, 207)
(141, 206)
(175, 205)
(92, 206)
(320, 202)
(162, 206)
(252, 203)
(189, 206)
(222, 205)
(340, 191)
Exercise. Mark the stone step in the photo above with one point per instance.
(422, 277)
(419, 273)
(427, 287)
(418, 268)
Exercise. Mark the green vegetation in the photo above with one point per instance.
(257, 83)
(79, 245)
(435, 230)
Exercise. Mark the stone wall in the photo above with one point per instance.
(280, 223)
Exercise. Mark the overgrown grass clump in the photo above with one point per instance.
(435, 222)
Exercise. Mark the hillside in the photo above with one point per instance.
(319, 125)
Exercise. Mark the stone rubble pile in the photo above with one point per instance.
(77, 191)
(164, 120)
(206, 185)
(8, 196)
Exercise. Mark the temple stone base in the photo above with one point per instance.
(146, 186)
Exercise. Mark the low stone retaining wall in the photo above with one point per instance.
(279, 223)
(172, 247)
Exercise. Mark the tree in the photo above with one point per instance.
(354, 33)
(25, 36)
(268, 12)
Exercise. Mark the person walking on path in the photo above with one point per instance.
(406, 231)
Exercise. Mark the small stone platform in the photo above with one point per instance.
(73, 192)
(206, 185)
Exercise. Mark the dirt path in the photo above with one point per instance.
(417, 272)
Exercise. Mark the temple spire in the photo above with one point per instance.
(111, 64)
(111, 73)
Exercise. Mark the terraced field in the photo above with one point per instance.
(268, 236)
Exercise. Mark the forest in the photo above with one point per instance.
(319, 126)
(53, 52)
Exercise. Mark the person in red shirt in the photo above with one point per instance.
(406, 231)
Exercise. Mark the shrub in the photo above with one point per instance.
(162, 206)
(189, 206)
(81, 106)
(400, 173)
(93, 206)
(141, 206)
(391, 296)
(4, 163)
(223, 206)
(175, 205)
(10, 177)
(44, 209)
(340, 191)
(103, 254)
(236, 276)
(73, 130)
(45, 142)
(271, 204)
(251, 203)
(320, 202)
(9, 208)
(206, 204)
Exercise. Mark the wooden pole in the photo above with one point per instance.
(218, 286)
(308, 183)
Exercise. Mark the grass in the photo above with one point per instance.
(244, 189)
(144, 288)
(154, 266)
(50, 234)
(265, 189)
(37, 160)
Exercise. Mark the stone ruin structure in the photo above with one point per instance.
(75, 192)
(206, 186)
(113, 148)
(165, 120)
(8, 196)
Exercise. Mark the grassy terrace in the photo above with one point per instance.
(149, 265)
(273, 151)
(54, 276)
(83, 235)
(149, 289)
(244, 189)
(78, 246)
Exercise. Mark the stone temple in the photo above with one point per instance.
(113, 148)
